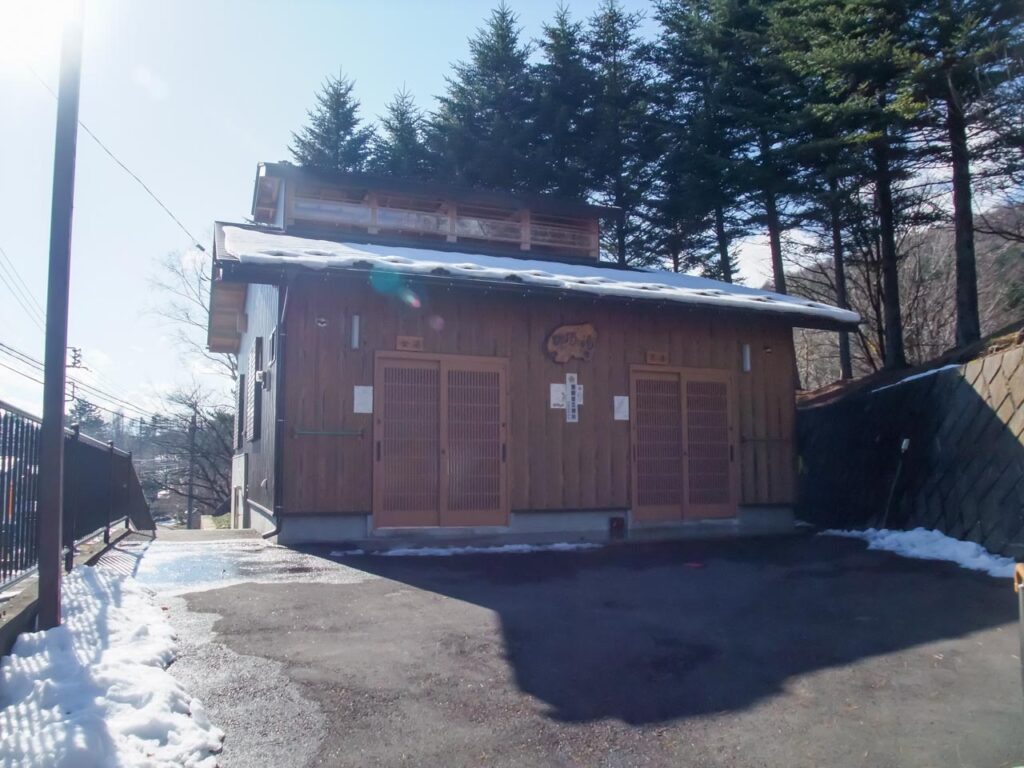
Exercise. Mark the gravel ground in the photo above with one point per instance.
(764, 652)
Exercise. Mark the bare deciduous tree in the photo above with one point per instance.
(185, 279)
(927, 285)
(213, 448)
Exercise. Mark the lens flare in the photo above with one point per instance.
(385, 282)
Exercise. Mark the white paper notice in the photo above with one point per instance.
(557, 395)
(362, 399)
(621, 408)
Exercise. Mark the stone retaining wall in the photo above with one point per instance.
(962, 474)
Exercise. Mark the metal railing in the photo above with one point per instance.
(101, 491)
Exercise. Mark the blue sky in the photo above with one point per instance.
(191, 95)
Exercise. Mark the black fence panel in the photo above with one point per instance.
(101, 491)
(19, 486)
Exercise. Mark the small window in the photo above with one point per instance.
(254, 393)
(240, 413)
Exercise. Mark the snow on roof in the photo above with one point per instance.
(255, 246)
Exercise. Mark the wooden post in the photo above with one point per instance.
(51, 450)
(453, 215)
(371, 201)
(595, 240)
(525, 232)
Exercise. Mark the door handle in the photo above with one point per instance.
(503, 452)
(378, 450)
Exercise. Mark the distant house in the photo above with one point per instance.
(419, 358)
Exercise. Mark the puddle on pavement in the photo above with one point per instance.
(180, 567)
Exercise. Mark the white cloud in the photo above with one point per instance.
(755, 261)
(21, 392)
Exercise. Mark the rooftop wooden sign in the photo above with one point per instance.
(425, 215)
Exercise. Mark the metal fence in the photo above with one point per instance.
(101, 491)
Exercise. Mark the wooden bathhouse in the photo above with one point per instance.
(420, 359)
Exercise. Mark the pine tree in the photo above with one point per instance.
(88, 418)
(858, 50)
(829, 173)
(966, 50)
(563, 124)
(699, 171)
(762, 103)
(399, 148)
(482, 130)
(625, 144)
(334, 139)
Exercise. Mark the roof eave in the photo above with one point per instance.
(235, 271)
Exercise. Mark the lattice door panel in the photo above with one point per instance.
(474, 450)
(407, 444)
(710, 469)
(657, 447)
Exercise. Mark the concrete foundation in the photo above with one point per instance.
(260, 518)
(322, 529)
(529, 527)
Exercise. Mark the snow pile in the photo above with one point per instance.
(924, 544)
(95, 691)
(253, 246)
(922, 375)
(504, 549)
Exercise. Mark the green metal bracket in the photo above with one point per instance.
(328, 433)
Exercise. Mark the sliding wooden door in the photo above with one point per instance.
(657, 446)
(440, 441)
(407, 443)
(473, 427)
(712, 479)
(683, 444)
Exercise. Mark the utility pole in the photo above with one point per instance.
(192, 469)
(51, 447)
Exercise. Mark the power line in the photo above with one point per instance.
(97, 405)
(75, 397)
(89, 388)
(26, 290)
(20, 373)
(28, 359)
(123, 405)
(124, 167)
(9, 276)
(26, 308)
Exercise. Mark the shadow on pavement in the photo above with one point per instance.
(653, 632)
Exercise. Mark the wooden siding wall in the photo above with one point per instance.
(553, 464)
(261, 309)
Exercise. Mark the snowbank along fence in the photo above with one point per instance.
(101, 491)
(962, 473)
